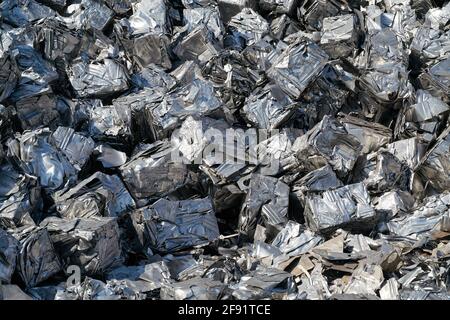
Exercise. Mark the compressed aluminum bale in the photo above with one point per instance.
(339, 35)
(9, 249)
(436, 79)
(328, 141)
(97, 79)
(37, 260)
(22, 12)
(423, 118)
(327, 95)
(297, 66)
(98, 195)
(409, 151)
(312, 12)
(36, 155)
(249, 25)
(109, 123)
(435, 164)
(381, 172)
(88, 14)
(8, 74)
(171, 226)
(153, 77)
(195, 99)
(76, 147)
(193, 289)
(295, 240)
(268, 107)
(92, 244)
(233, 76)
(20, 199)
(267, 200)
(152, 172)
(278, 6)
(208, 16)
(198, 45)
(229, 8)
(429, 215)
(347, 207)
(372, 136)
(148, 17)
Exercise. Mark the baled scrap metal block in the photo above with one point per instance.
(371, 135)
(96, 79)
(297, 66)
(436, 162)
(153, 77)
(89, 14)
(268, 107)
(347, 207)
(92, 244)
(264, 283)
(208, 16)
(109, 123)
(20, 199)
(279, 6)
(8, 74)
(312, 12)
(427, 216)
(38, 110)
(198, 45)
(35, 154)
(295, 240)
(76, 147)
(9, 249)
(339, 35)
(230, 8)
(267, 200)
(20, 13)
(424, 118)
(330, 141)
(149, 17)
(381, 172)
(193, 289)
(249, 25)
(98, 195)
(148, 49)
(197, 98)
(152, 173)
(175, 225)
(37, 260)
(409, 151)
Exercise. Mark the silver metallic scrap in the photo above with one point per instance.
(224, 150)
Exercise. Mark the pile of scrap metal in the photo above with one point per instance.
(224, 149)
